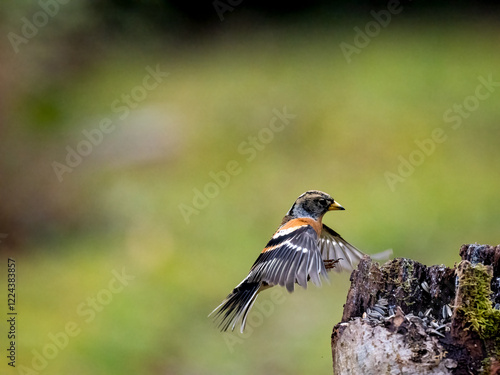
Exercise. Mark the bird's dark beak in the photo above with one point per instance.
(335, 206)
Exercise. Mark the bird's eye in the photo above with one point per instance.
(322, 201)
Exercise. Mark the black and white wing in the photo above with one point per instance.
(291, 256)
(334, 247)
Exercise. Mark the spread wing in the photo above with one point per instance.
(291, 256)
(333, 247)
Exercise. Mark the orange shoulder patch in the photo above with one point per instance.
(317, 226)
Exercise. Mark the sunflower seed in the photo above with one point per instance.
(379, 309)
(375, 314)
(383, 302)
(447, 311)
(433, 331)
(428, 311)
(425, 286)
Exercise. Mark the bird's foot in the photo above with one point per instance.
(330, 263)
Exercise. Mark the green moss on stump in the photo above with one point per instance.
(475, 285)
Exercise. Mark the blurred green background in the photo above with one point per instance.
(123, 207)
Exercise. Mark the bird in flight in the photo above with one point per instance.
(302, 249)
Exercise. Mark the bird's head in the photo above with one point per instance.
(313, 204)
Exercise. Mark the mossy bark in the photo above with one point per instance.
(406, 318)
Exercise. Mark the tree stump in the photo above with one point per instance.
(406, 318)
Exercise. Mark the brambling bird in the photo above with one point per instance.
(302, 249)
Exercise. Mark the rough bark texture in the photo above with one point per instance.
(406, 318)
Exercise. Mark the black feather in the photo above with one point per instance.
(236, 306)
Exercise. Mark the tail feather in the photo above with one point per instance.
(236, 306)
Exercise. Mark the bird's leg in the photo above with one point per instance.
(330, 263)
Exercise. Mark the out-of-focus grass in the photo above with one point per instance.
(352, 122)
